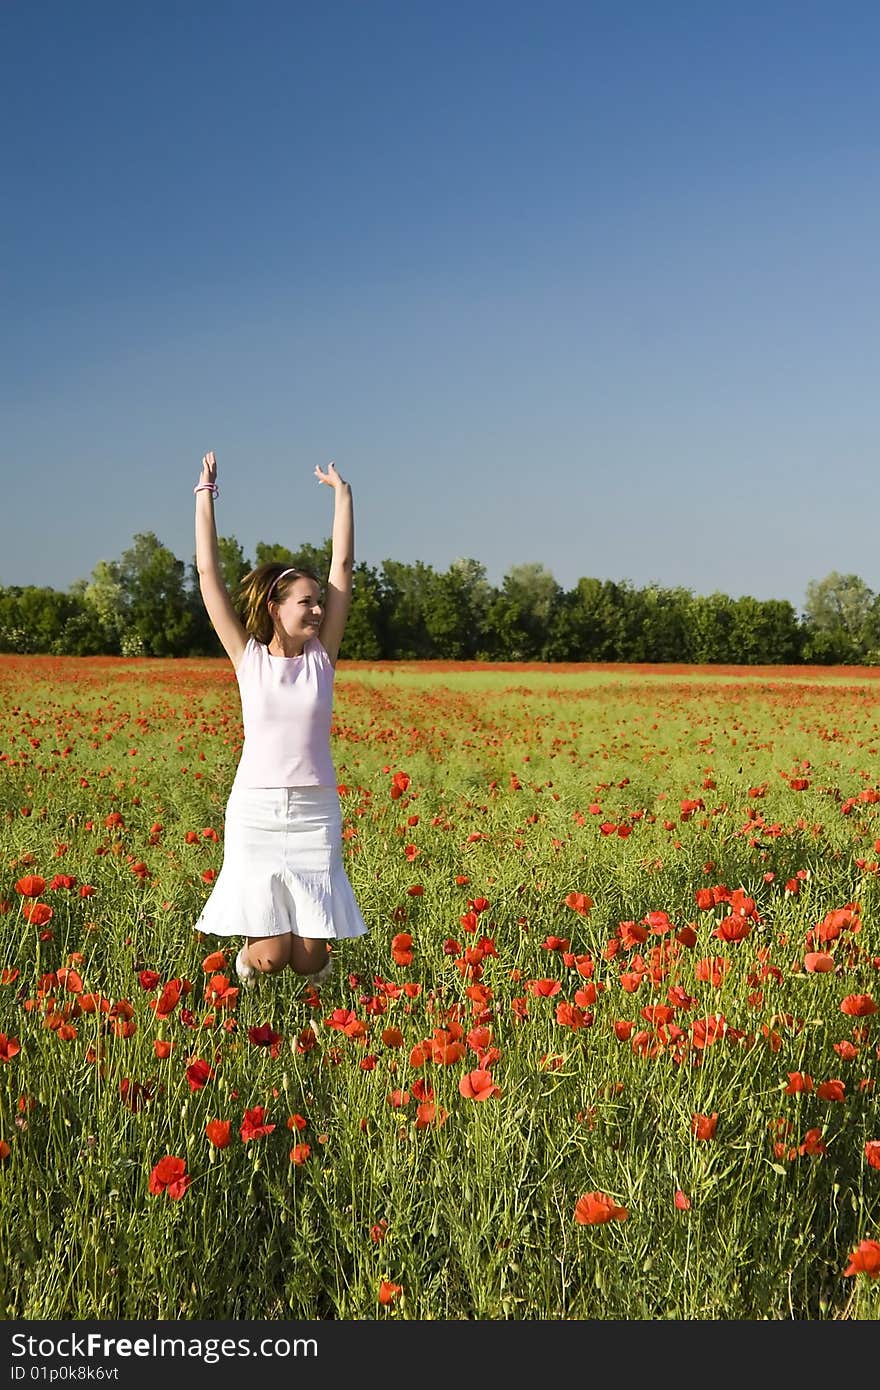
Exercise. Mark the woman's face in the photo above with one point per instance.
(300, 611)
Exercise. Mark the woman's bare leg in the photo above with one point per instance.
(307, 955)
(267, 954)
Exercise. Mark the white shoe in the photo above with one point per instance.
(246, 973)
(320, 976)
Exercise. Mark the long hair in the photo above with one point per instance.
(272, 580)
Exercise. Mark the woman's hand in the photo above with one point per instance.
(329, 475)
(209, 471)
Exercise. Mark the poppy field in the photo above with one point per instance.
(609, 1050)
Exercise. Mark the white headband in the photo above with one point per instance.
(278, 579)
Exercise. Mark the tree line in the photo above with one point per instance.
(147, 603)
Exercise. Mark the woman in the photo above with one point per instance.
(283, 885)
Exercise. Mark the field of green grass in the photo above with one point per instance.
(609, 1050)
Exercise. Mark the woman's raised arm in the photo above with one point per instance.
(224, 619)
(338, 599)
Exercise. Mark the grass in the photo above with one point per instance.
(526, 788)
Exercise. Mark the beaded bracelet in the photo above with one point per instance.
(207, 487)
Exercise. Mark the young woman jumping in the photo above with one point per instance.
(282, 885)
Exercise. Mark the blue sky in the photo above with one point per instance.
(590, 285)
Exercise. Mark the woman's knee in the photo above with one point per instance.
(270, 954)
(307, 955)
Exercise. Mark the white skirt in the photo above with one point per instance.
(282, 867)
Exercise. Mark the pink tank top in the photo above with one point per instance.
(286, 704)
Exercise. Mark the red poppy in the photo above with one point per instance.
(170, 1176)
(31, 886)
(38, 914)
(865, 1259)
(297, 1122)
(162, 1048)
(733, 928)
(630, 980)
(570, 1016)
(388, 1292)
(399, 784)
(340, 1019)
(596, 1208)
(831, 1090)
(219, 1132)
(706, 1031)
(428, 1113)
(543, 988)
(444, 1053)
(813, 1144)
(712, 970)
(579, 903)
(262, 1035)
(858, 1005)
(5, 1151)
(9, 1048)
(818, 963)
(168, 999)
(682, 1202)
(198, 1074)
(703, 1126)
(478, 1085)
(872, 1153)
(254, 1124)
(402, 948)
(632, 934)
(798, 1082)
(299, 1153)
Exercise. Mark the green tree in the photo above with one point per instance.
(233, 563)
(159, 610)
(764, 633)
(269, 554)
(589, 623)
(842, 619)
(406, 593)
(455, 614)
(657, 624)
(37, 619)
(362, 641)
(521, 615)
(711, 630)
(105, 597)
(314, 558)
